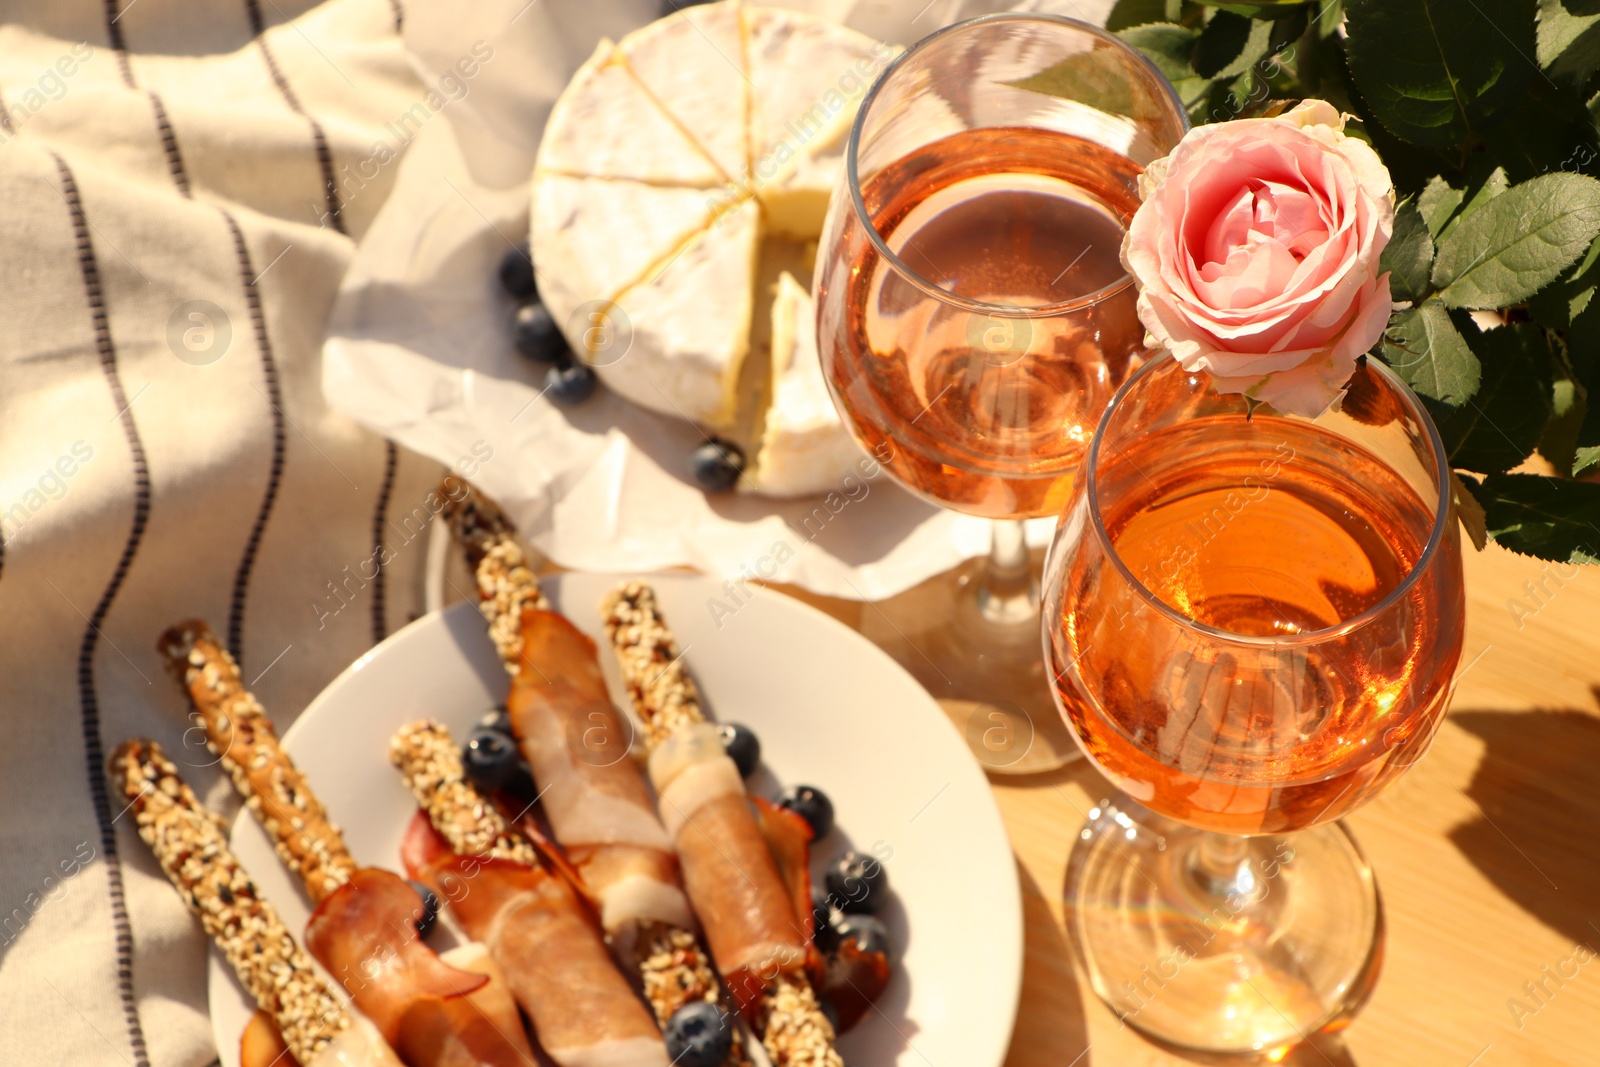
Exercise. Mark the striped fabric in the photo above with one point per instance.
(176, 211)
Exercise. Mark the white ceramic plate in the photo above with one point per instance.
(831, 710)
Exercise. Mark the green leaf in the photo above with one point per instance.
(1330, 16)
(1409, 255)
(1479, 191)
(1438, 202)
(1425, 347)
(1552, 518)
(1562, 304)
(1230, 45)
(1130, 13)
(1263, 9)
(1559, 442)
(1169, 46)
(1500, 427)
(1094, 78)
(1435, 72)
(1568, 44)
(1518, 242)
(1550, 130)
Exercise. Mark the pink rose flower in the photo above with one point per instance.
(1256, 249)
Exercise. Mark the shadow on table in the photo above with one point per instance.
(1051, 1027)
(1537, 793)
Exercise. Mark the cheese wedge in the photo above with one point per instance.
(680, 170)
(615, 129)
(804, 448)
(596, 238)
(807, 80)
(693, 64)
(685, 359)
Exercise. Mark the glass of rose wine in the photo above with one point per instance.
(974, 319)
(1253, 621)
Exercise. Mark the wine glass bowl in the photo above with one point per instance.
(1255, 617)
(974, 319)
(1253, 621)
(974, 316)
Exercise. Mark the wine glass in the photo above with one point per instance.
(1253, 620)
(974, 319)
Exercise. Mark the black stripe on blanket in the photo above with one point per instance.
(269, 371)
(94, 747)
(319, 139)
(119, 44)
(380, 518)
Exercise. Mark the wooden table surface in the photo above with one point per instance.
(1487, 855)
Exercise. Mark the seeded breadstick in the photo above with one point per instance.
(191, 847)
(430, 763)
(239, 733)
(506, 584)
(672, 966)
(793, 1029)
(658, 680)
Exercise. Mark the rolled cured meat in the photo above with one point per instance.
(521, 899)
(758, 928)
(577, 745)
(363, 929)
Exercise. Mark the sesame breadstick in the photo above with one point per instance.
(239, 733)
(672, 966)
(789, 1017)
(430, 763)
(191, 847)
(507, 586)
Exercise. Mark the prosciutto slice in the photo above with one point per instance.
(364, 935)
(543, 938)
(747, 892)
(599, 807)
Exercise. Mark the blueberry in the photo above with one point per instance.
(830, 1013)
(491, 758)
(429, 915)
(858, 883)
(867, 931)
(698, 1035)
(742, 746)
(570, 384)
(536, 335)
(516, 274)
(496, 718)
(812, 805)
(716, 465)
(825, 934)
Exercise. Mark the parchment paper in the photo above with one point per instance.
(419, 345)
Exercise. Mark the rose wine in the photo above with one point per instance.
(990, 413)
(1272, 530)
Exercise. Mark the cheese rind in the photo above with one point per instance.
(805, 447)
(807, 79)
(693, 63)
(595, 238)
(690, 324)
(607, 125)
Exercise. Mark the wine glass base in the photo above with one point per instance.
(987, 674)
(1293, 948)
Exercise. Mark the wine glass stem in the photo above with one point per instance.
(1219, 869)
(1007, 590)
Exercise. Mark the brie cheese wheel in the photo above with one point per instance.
(804, 448)
(680, 169)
